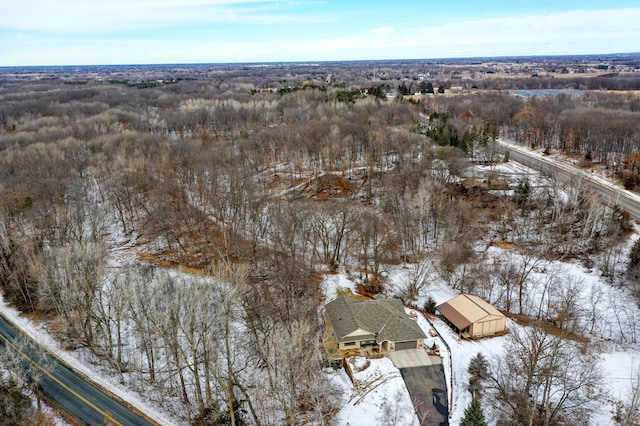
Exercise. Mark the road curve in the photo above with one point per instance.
(72, 393)
(608, 193)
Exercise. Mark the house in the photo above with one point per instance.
(357, 327)
(472, 317)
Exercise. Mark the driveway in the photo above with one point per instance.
(410, 358)
(428, 390)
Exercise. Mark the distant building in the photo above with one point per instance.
(472, 317)
(363, 328)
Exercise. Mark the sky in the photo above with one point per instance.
(95, 32)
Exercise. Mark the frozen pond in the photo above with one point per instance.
(545, 92)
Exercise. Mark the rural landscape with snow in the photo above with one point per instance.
(349, 243)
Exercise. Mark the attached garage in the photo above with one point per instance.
(472, 317)
(406, 345)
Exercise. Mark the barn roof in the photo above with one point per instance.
(379, 320)
(466, 309)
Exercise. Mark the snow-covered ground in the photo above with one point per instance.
(619, 362)
(380, 396)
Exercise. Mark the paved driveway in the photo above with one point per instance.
(428, 390)
(410, 358)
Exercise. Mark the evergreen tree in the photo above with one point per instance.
(478, 374)
(429, 87)
(633, 267)
(430, 305)
(634, 255)
(404, 90)
(633, 271)
(15, 407)
(473, 415)
(522, 192)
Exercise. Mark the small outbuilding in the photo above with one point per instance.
(472, 317)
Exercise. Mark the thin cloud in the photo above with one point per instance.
(90, 17)
(382, 31)
(595, 31)
(577, 31)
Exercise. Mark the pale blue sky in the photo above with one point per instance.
(74, 32)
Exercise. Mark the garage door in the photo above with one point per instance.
(406, 345)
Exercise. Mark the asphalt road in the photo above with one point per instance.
(65, 388)
(607, 194)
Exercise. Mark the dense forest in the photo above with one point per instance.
(257, 184)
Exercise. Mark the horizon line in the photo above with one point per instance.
(326, 61)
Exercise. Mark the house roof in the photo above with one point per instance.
(379, 320)
(466, 309)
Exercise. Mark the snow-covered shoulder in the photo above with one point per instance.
(41, 336)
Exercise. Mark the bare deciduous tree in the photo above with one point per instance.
(70, 283)
(544, 379)
(628, 411)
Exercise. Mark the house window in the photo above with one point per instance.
(349, 343)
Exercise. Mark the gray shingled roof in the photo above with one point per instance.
(383, 319)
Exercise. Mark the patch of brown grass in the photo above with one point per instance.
(329, 186)
(160, 261)
(505, 245)
(348, 293)
(548, 328)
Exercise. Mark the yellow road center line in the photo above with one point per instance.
(74, 393)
